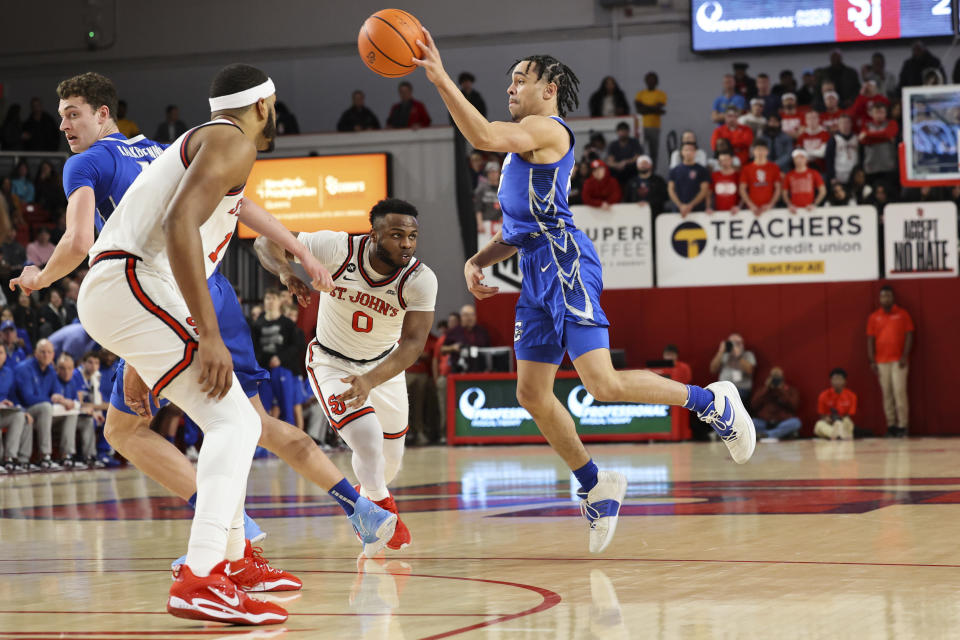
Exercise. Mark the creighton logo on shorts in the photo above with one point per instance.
(517, 331)
(689, 239)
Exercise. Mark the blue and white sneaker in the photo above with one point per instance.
(252, 531)
(373, 525)
(601, 507)
(729, 418)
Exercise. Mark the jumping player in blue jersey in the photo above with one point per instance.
(559, 307)
(95, 181)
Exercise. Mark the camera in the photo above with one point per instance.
(727, 346)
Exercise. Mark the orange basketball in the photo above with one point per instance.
(388, 42)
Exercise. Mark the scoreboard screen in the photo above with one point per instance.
(734, 24)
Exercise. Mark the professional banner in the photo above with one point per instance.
(826, 245)
(483, 408)
(920, 240)
(622, 236)
(319, 192)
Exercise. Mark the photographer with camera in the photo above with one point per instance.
(775, 409)
(735, 364)
(461, 343)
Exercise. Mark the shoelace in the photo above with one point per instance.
(589, 512)
(256, 554)
(714, 417)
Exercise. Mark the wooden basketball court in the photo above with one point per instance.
(808, 540)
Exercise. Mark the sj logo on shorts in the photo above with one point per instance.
(517, 331)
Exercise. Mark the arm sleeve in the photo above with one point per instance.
(329, 247)
(80, 170)
(420, 291)
(853, 404)
(908, 326)
(871, 326)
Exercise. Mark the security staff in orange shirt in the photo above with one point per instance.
(836, 406)
(889, 342)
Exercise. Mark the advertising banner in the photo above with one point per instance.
(920, 240)
(484, 409)
(622, 236)
(732, 24)
(826, 245)
(320, 192)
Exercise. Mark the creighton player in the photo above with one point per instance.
(382, 295)
(146, 299)
(559, 307)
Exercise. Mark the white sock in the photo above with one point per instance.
(392, 456)
(236, 542)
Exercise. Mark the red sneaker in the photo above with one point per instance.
(217, 598)
(401, 535)
(254, 573)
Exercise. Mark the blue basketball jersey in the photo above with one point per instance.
(533, 197)
(109, 167)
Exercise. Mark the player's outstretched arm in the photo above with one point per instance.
(260, 220)
(495, 251)
(222, 159)
(275, 259)
(530, 134)
(413, 336)
(72, 248)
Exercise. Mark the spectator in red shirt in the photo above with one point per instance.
(831, 114)
(740, 136)
(836, 406)
(408, 113)
(889, 342)
(813, 139)
(725, 184)
(803, 188)
(774, 408)
(760, 180)
(791, 116)
(869, 96)
(681, 370)
(601, 189)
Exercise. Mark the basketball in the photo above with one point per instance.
(388, 42)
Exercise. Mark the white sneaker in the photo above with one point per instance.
(602, 508)
(728, 417)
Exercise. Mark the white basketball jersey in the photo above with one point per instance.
(136, 226)
(362, 317)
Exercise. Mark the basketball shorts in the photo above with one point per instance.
(138, 280)
(388, 401)
(559, 307)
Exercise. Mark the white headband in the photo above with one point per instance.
(243, 98)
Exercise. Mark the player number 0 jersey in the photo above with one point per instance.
(363, 316)
(136, 226)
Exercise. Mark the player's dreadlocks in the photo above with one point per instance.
(560, 74)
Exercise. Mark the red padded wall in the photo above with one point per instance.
(806, 328)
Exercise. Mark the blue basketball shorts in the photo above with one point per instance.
(236, 336)
(559, 307)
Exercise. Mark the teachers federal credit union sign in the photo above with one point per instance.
(824, 245)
